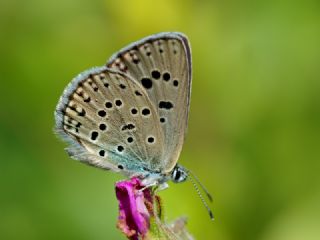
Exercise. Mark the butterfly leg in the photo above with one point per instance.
(155, 183)
(162, 186)
(158, 187)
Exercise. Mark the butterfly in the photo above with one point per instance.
(131, 115)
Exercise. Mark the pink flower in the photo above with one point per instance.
(141, 215)
(135, 208)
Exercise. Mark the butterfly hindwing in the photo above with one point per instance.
(110, 122)
(162, 65)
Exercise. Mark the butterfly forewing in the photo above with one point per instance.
(162, 65)
(111, 122)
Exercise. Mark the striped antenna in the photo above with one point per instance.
(201, 185)
(194, 181)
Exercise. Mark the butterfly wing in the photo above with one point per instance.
(110, 122)
(161, 63)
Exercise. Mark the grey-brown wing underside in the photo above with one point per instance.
(161, 63)
(110, 122)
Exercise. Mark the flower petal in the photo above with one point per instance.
(134, 217)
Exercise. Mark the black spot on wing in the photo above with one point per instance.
(120, 149)
(128, 126)
(166, 76)
(102, 113)
(102, 153)
(146, 82)
(138, 93)
(145, 111)
(118, 102)
(102, 127)
(108, 104)
(165, 105)
(155, 74)
(94, 135)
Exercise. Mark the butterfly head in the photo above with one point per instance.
(179, 174)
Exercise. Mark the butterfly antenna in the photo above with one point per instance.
(192, 178)
(201, 185)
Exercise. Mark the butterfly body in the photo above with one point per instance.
(131, 115)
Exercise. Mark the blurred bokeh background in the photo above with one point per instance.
(254, 129)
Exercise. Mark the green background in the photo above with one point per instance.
(254, 129)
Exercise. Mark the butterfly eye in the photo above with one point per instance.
(179, 175)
